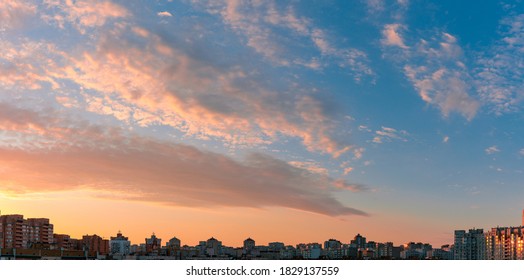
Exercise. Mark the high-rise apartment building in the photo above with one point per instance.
(95, 245)
(249, 245)
(470, 245)
(40, 231)
(153, 244)
(359, 241)
(17, 232)
(14, 229)
(120, 245)
(505, 243)
(213, 247)
(174, 243)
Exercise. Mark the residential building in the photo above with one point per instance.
(95, 245)
(40, 231)
(173, 243)
(359, 241)
(17, 232)
(213, 247)
(385, 250)
(119, 245)
(470, 245)
(249, 244)
(505, 243)
(153, 244)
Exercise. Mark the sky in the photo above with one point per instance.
(292, 121)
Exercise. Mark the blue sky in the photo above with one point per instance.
(371, 113)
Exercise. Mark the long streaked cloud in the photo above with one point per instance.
(261, 22)
(388, 134)
(67, 155)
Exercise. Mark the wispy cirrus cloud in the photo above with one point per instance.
(25, 64)
(388, 134)
(14, 13)
(500, 69)
(69, 155)
(84, 14)
(259, 22)
(491, 150)
(436, 69)
(395, 9)
(163, 84)
(143, 77)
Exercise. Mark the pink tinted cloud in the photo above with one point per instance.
(436, 70)
(126, 166)
(85, 14)
(14, 13)
(25, 65)
(391, 36)
(173, 88)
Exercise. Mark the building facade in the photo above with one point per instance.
(17, 232)
(470, 245)
(95, 245)
(119, 245)
(505, 243)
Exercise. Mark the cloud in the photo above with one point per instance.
(375, 6)
(270, 29)
(389, 134)
(500, 69)
(376, 9)
(439, 76)
(311, 166)
(491, 150)
(343, 185)
(521, 152)
(358, 152)
(25, 65)
(142, 79)
(164, 14)
(445, 139)
(435, 65)
(84, 14)
(69, 155)
(347, 170)
(391, 36)
(14, 13)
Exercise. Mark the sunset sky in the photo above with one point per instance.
(293, 121)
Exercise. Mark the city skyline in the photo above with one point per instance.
(401, 120)
(174, 236)
(34, 238)
(153, 234)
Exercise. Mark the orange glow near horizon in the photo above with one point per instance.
(75, 214)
